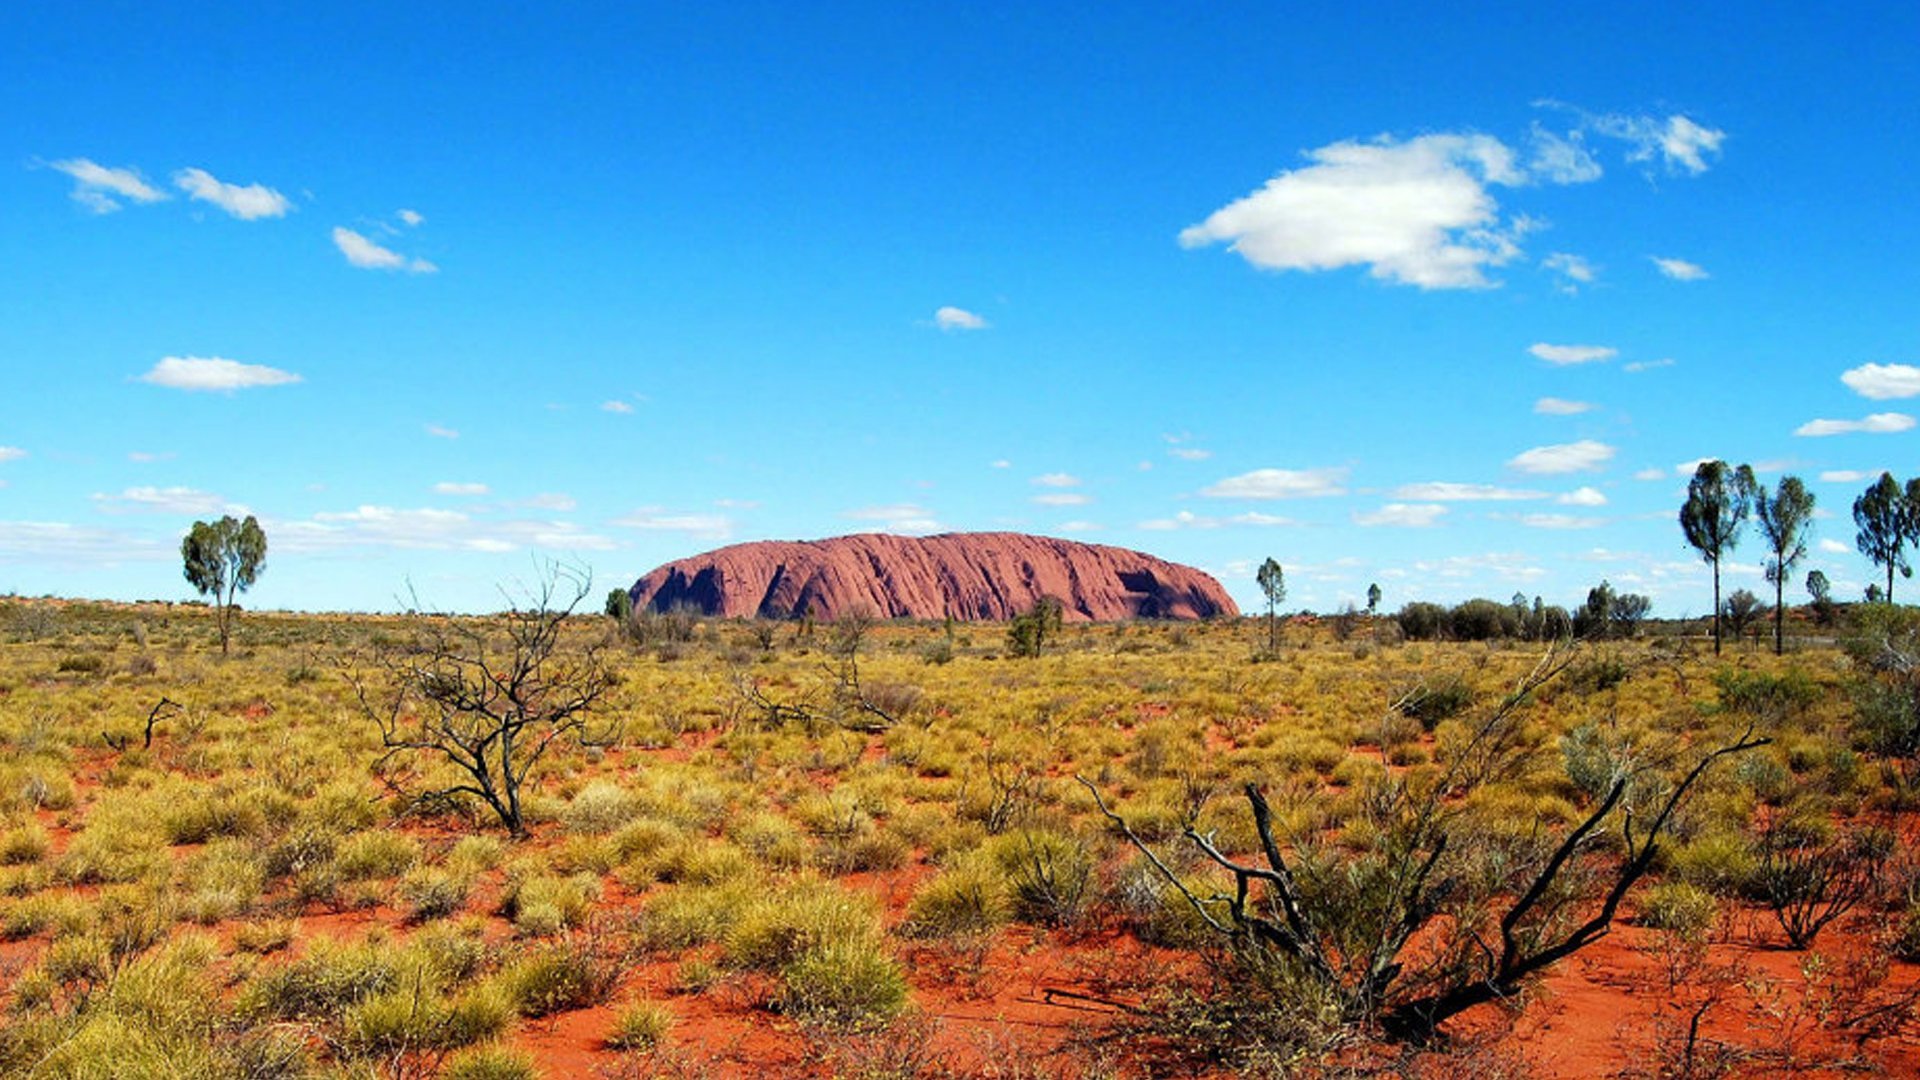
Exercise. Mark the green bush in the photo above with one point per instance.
(1435, 700)
(1049, 875)
(431, 893)
(320, 985)
(642, 1025)
(798, 919)
(848, 983)
(367, 856)
(966, 898)
(567, 974)
(1684, 909)
(490, 1063)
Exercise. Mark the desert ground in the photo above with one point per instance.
(880, 851)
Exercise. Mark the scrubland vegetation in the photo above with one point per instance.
(924, 850)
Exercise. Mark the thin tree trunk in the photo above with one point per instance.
(1716, 607)
(1779, 611)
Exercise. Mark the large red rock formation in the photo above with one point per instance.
(992, 575)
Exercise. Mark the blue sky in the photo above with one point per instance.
(1449, 300)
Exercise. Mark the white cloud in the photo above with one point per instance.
(1647, 365)
(427, 530)
(439, 432)
(1650, 474)
(1681, 144)
(145, 457)
(1187, 519)
(11, 453)
(1847, 476)
(1553, 406)
(1834, 547)
(1416, 212)
(368, 255)
(616, 406)
(412, 218)
(953, 318)
(1448, 491)
(1402, 516)
(1583, 496)
(449, 487)
(1190, 453)
(1883, 381)
(652, 519)
(1280, 484)
(1885, 423)
(1056, 480)
(1078, 527)
(898, 517)
(1063, 498)
(1572, 354)
(1000, 463)
(1680, 269)
(214, 373)
(63, 543)
(249, 203)
(1562, 159)
(1587, 455)
(164, 500)
(1572, 267)
(1560, 521)
(552, 500)
(95, 185)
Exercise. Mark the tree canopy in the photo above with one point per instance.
(222, 559)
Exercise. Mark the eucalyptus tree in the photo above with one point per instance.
(1785, 515)
(1884, 516)
(223, 558)
(1273, 584)
(1719, 498)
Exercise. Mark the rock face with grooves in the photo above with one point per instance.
(969, 576)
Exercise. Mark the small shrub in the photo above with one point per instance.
(378, 854)
(600, 808)
(321, 984)
(1686, 910)
(799, 919)
(642, 1025)
(1435, 700)
(26, 844)
(567, 974)
(265, 936)
(845, 983)
(190, 820)
(1048, 874)
(490, 1063)
(966, 898)
(430, 893)
(83, 664)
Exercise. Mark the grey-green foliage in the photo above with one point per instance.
(1883, 516)
(1719, 498)
(1027, 634)
(1785, 515)
(1273, 585)
(221, 559)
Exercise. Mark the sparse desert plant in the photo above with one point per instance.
(1328, 933)
(968, 897)
(1680, 908)
(844, 983)
(490, 711)
(641, 1025)
(571, 972)
(490, 1063)
(1809, 879)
